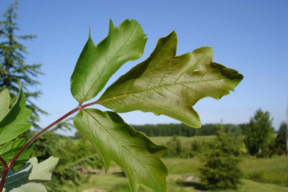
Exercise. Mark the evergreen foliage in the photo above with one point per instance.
(73, 155)
(174, 147)
(230, 141)
(280, 140)
(259, 132)
(13, 68)
(221, 169)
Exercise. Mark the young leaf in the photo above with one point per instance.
(169, 85)
(15, 121)
(131, 150)
(28, 178)
(9, 150)
(97, 64)
(4, 103)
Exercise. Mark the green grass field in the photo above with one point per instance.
(116, 183)
(259, 175)
(274, 170)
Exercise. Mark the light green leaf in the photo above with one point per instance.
(97, 64)
(4, 103)
(9, 150)
(15, 122)
(169, 85)
(131, 150)
(29, 177)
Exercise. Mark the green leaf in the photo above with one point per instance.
(15, 122)
(9, 150)
(131, 150)
(97, 64)
(4, 103)
(29, 177)
(169, 85)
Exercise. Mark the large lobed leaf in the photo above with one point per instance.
(97, 64)
(169, 85)
(15, 121)
(29, 177)
(131, 150)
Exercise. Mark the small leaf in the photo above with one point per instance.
(9, 150)
(169, 85)
(4, 103)
(97, 64)
(15, 122)
(131, 150)
(28, 178)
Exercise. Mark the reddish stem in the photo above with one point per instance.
(40, 133)
(48, 127)
(6, 166)
(89, 104)
(5, 171)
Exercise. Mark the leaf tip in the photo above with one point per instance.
(111, 25)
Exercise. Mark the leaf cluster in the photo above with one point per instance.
(13, 122)
(162, 84)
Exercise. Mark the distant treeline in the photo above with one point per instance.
(184, 130)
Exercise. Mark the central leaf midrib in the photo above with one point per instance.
(154, 88)
(107, 63)
(119, 144)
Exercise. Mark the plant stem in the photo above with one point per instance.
(4, 173)
(8, 166)
(40, 133)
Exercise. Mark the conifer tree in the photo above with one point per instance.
(13, 68)
(221, 167)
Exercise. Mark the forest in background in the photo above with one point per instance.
(184, 130)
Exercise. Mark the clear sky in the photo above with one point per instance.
(249, 36)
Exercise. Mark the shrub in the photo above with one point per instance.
(220, 171)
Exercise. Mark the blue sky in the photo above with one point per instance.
(249, 36)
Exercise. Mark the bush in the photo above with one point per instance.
(174, 147)
(220, 171)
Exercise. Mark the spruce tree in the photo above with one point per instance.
(221, 167)
(13, 68)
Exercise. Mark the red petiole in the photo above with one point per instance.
(7, 166)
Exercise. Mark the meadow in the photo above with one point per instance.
(259, 174)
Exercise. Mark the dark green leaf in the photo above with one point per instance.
(9, 150)
(169, 85)
(97, 64)
(131, 150)
(15, 122)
